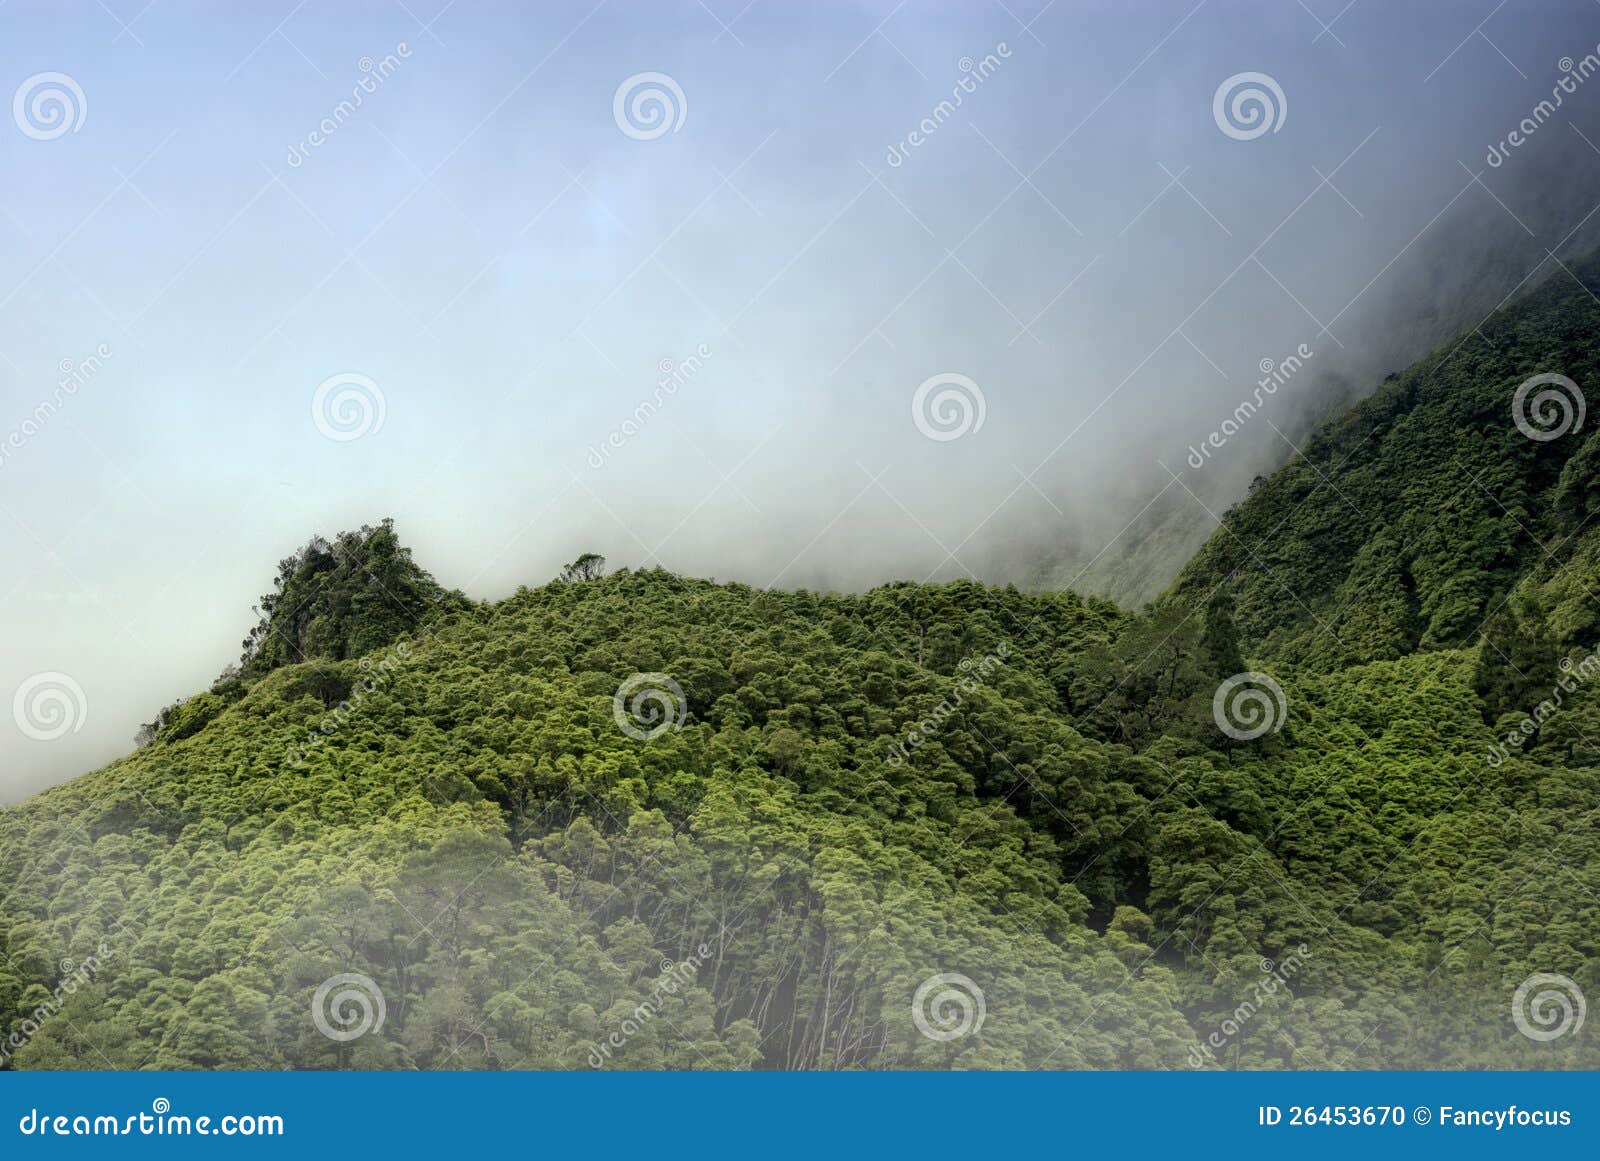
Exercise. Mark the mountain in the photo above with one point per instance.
(1327, 803)
(1462, 279)
(1405, 525)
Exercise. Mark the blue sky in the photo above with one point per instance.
(487, 249)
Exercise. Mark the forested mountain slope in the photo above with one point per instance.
(1405, 524)
(637, 820)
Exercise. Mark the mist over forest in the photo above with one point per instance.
(872, 536)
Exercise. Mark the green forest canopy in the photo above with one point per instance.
(644, 821)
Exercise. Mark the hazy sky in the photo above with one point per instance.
(497, 261)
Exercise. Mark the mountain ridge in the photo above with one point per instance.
(643, 820)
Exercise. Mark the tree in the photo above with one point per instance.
(1219, 639)
(589, 566)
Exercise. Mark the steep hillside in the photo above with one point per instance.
(1405, 525)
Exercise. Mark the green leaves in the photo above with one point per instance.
(1030, 793)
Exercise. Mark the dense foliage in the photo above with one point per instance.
(819, 801)
(1405, 524)
(329, 602)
